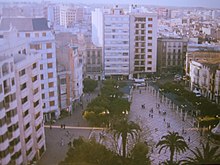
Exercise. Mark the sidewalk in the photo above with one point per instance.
(57, 138)
(157, 124)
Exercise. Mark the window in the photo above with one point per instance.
(149, 68)
(51, 94)
(22, 72)
(149, 62)
(41, 76)
(43, 96)
(12, 81)
(35, 91)
(35, 46)
(24, 100)
(26, 113)
(23, 86)
(42, 86)
(51, 84)
(34, 78)
(50, 75)
(150, 19)
(27, 35)
(150, 31)
(149, 56)
(149, 44)
(34, 65)
(50, 65)
(149, 50)
(41, 67)
(49, 55)
(44, 34)
(150, 25)
(52, 103)
(149, 38)
(48, 45)
(0, 88)
(36, 35)
(36, 103)
(63, 81)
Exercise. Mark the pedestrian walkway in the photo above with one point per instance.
(73, 126)
(159, 118)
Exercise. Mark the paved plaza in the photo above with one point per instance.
(153, 123)
(158, 121)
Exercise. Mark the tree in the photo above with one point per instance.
(89, 152)
(89, 85)
(207, 155)
(139, 154)
(174, 142)
(122, 128)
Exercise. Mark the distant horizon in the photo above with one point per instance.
(171, 3)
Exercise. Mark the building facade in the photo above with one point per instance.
(93, 62)
(143, 43)
(116, 51)
(42, 43)
(171, 54)
(21, 115)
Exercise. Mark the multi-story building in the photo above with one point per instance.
(171, 54)
(205, 77)
(21, 116)
(116, 51)
(29, 106)
(42, 43)
(70, 75)
(64, 15)
(143, 42)
(97, 27)
(93, 62)
(10, 144)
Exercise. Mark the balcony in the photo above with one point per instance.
(39, 120)
(28, 132)
(17, 147)
(19, 160)
(6, 159)
(29, 144)
(7, 89)
(41, 143)
(14, 119)
(27, 119)
(4, 145)
(16, 133)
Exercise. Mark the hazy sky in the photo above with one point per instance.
(188, 3)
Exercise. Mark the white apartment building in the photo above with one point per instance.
(29, 105)
(65, 15)
(42, 43)
(205, 77)
(116, 51)
(22, 138)
(97, 27)
(10, 144)
(143, 43)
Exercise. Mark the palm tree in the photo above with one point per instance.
(174, 142)
(207, 155)
(122, 129)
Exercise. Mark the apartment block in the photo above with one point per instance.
(21, 129)
(41, 43)
(143, 43)
(93, 62)
(116, 51)
(171, 54)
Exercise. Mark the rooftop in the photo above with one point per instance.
(24, 24)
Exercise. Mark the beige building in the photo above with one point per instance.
(143, 42)
(92, 62)
(171, 54)
(205, 77)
